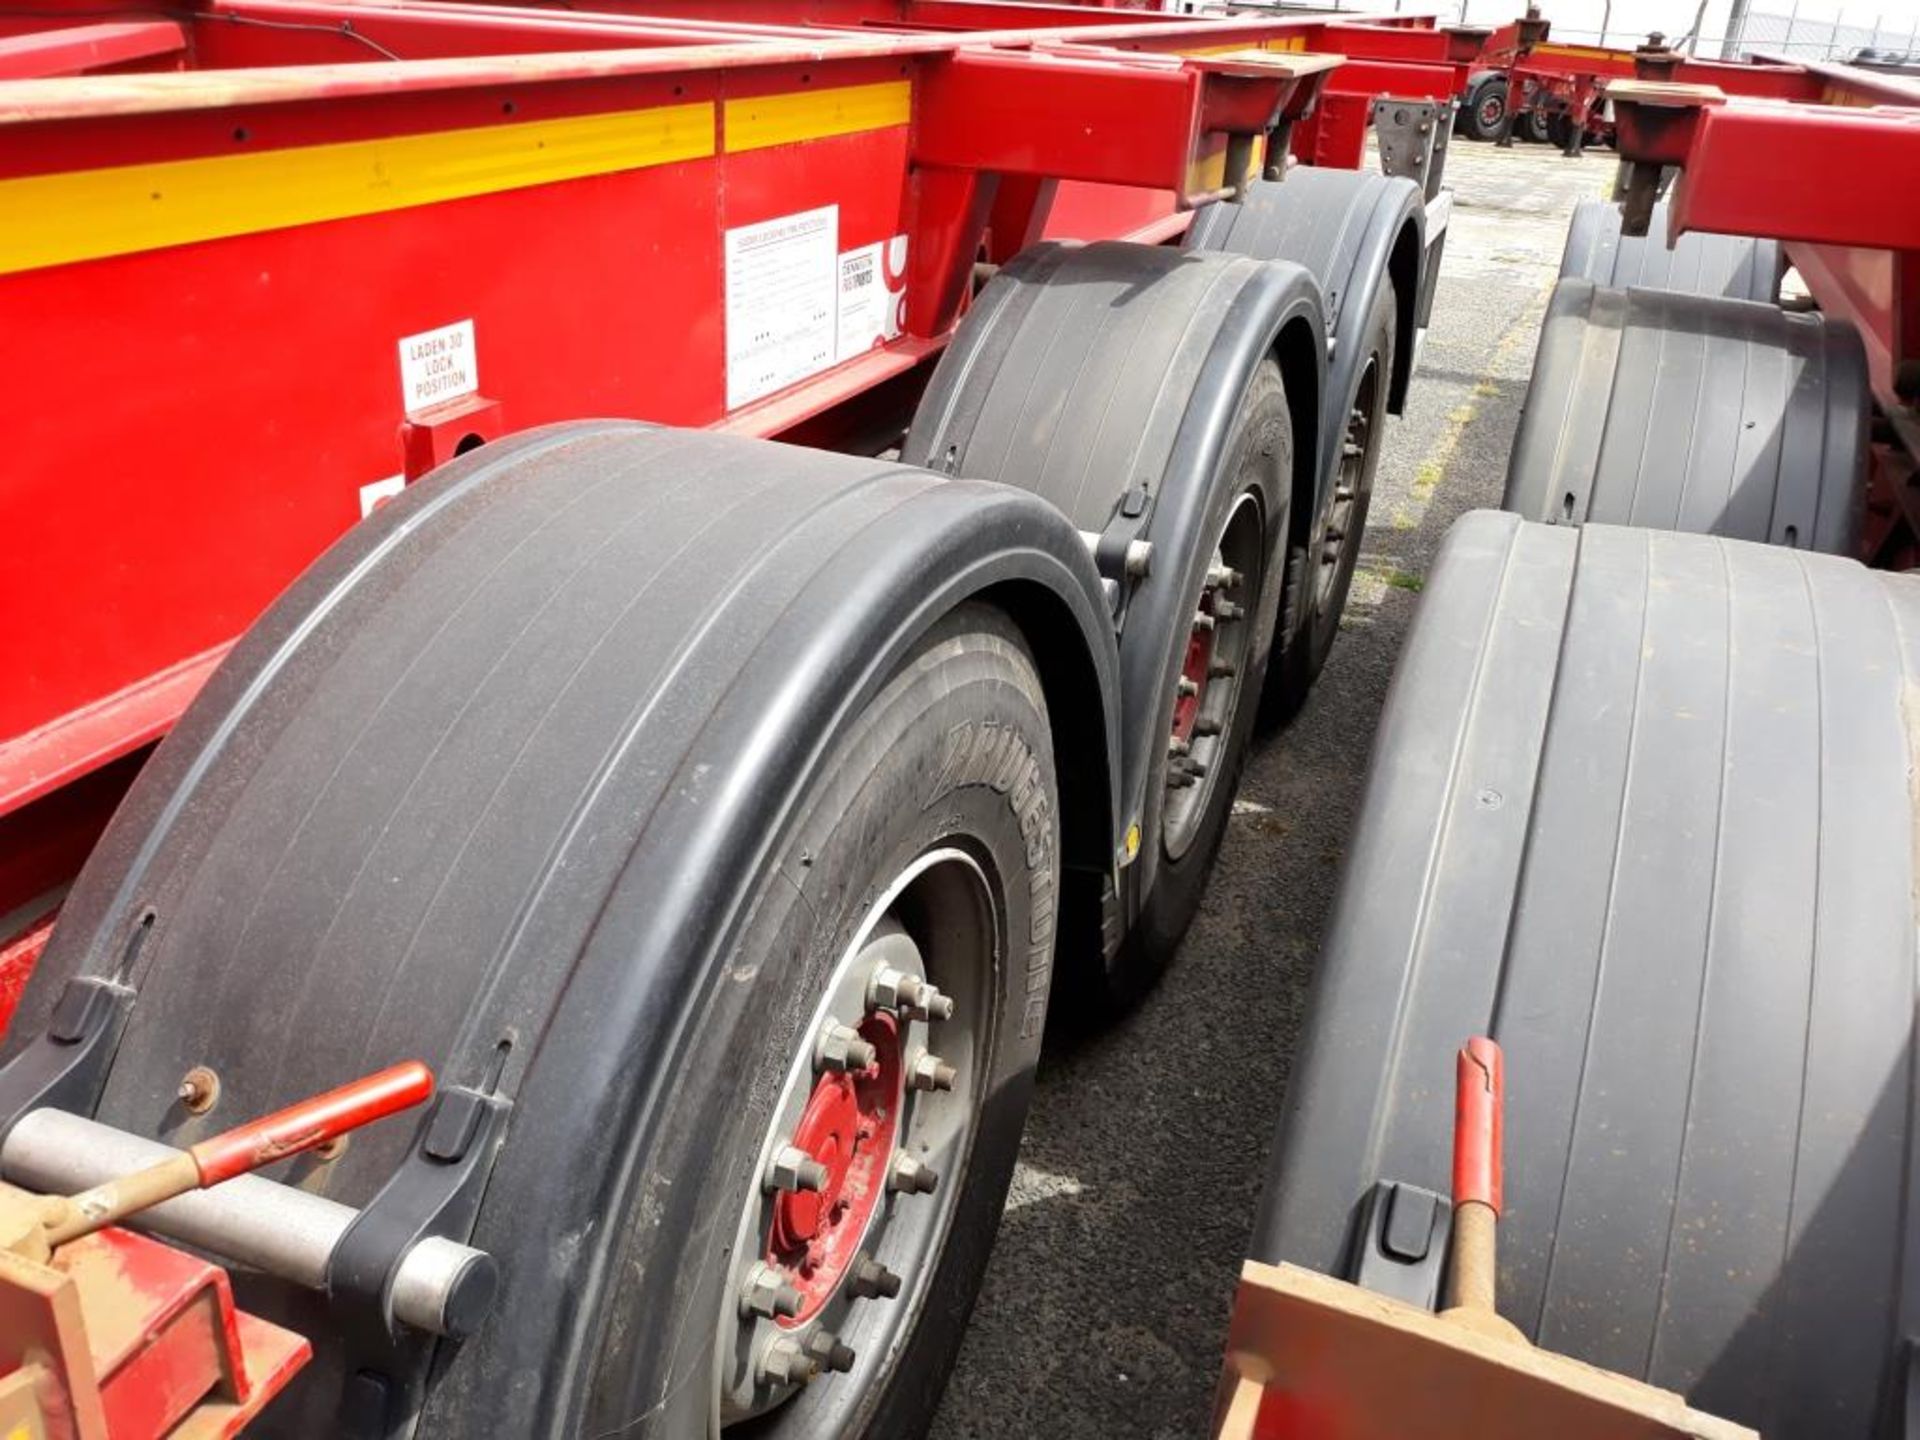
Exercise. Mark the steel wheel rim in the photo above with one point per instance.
(1492, 109)
(937, 922)
(1208, 689)
(1349, 481)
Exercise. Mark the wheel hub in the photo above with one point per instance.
(1207, 689)
(864, 1155)
(849, 1127)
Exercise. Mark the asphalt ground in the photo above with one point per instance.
(1104, 1309)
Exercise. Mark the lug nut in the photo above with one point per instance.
(1351, 451)
(913, 997)
(793, 1169)
(1221, 669)
(1226, 610)
(783, 1362)
(1222, 577)
(768, 1293)
(840, 1049)
(1178, 779)
(1204, 726)
(1342, 493)
(1196, 769)
(907, 1176)
(929, 1072)
(1184, 686)
(1177, 747)
(868, 1279)
(1202, 620)
(830, 1352)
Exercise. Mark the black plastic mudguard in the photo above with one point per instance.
(1122, 417)
(1641, 807)
(1693, 412)
(487, 787)
(1736, 267)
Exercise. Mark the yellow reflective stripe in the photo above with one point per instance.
(1578, 52)
(765, 120)
(86, 214)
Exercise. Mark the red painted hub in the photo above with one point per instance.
(1199, 662)
(849, 1126)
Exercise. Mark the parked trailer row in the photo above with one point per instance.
(723, 819)
(717, 818)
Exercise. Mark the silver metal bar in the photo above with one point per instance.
(251, 1220)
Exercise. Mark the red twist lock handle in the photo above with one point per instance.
(311, 1122)
(1479, 1092)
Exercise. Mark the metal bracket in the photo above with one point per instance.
(66, 1067)
(1400, 1243)
(1413, 137)
(436, 1192)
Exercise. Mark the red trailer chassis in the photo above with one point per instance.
(384, 233)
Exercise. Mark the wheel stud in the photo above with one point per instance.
(1226, 610)
(1342, 494)
(1206, 725)
(1178, 779)
(830, 1352)
(1186, 687)
(1222, 577)
(907, 1176)
(783, 1362)
(868, 1279)
(841, 1049)
(929, 1072)
(1351, 451)
(1196, 769)
(1177, 747)
(1202, 620)
(917, 999)
(768, 1293)
(793, 1169)
(1220, 670)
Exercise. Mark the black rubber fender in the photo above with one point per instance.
(364, 841)
(1641, 808)
(1350, 229)
(1693, 412)
(1164, 368)
(1738, 267)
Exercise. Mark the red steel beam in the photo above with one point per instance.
(76, 50)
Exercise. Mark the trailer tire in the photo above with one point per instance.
(1737, 267)
(1697, 413)
(568, 773)
(1362, 237)
(1535, 124)
(1485, 109)
(1146, 393)
(1322, 552)
(1642, 808)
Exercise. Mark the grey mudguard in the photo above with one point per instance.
(1640, 808)
(1349, 229)
(1688, 412)
(490, 787)
(1086, 372)
(1736, 267)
